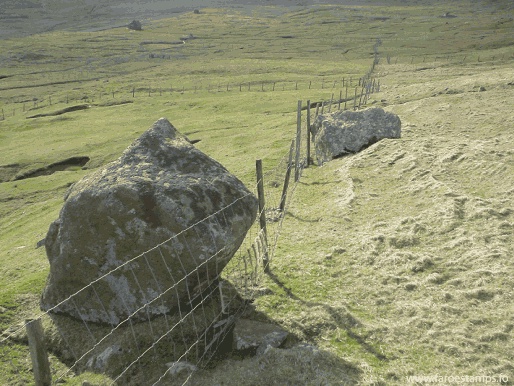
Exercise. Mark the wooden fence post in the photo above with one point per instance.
(287, 178)
(262, 213)
(360, 96)
(317, 110)
(331, 101)
(308, 133)
(298, 141)
(38, 354)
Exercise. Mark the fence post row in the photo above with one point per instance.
(308, 133)
(287, 178)
(298, 141)
(262, 213)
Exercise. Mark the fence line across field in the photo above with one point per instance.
(249, 264)
(14, 106)
(244, 271)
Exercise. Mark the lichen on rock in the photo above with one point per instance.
(146, 233)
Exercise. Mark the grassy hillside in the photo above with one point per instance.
(396, 260)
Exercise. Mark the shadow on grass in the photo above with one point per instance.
(302, 219)
(336, 182)
(346, 323)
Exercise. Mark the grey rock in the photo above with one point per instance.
(125, 232)
(40, 243)
(252, 337)
(175, 368)
(345, 132)
(102, 361)
(135, 25)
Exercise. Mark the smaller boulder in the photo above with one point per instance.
(255, 338)
(345, 132)
(135, 25)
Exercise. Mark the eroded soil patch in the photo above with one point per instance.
(54, 167)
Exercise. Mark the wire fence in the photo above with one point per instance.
(184, 320)
(37, 106)
(14, 106)
(192, 332)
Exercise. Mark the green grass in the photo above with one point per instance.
(395, 259)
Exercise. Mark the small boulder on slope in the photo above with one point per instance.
(344, 132)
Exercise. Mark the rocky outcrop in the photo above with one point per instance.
(147, 233)
(345, 132)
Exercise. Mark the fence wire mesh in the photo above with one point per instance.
(190, 333)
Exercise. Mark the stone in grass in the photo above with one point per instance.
(252, 337)
(124, 244)
(135, 25)
(344, 132)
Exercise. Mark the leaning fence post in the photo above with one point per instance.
(286, 180)
(262, 213)
(308, 133)
(298, 141)
(38, 354)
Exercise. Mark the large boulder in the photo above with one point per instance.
(345, 132)
(147, 233)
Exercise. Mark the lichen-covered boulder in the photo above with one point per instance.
(347, 131)
(147, 233)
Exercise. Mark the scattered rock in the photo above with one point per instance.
(176, 368)
(102, 361)
(187, 37)
(448, 15)
(252, 337)
(346, 131)
(40, 243)
(135, 25)
(113, 220)
(196, 11)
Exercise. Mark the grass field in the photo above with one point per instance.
(396, 261)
